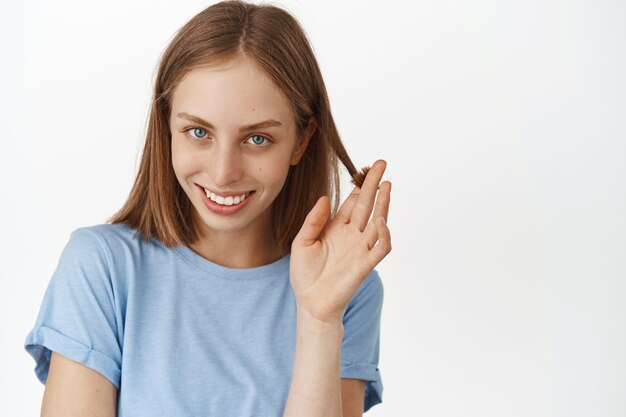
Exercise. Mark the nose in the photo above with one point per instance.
(225, 164)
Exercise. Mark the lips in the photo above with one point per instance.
(225, 194)
(223, 209)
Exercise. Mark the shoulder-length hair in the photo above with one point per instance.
(157, 206)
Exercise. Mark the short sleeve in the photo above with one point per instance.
(77, 317)
(361, 340)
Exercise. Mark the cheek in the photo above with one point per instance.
(272, 172)
(176, 159)
(267, 163)
(182, 159)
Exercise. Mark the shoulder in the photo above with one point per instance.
(101, 243)
(103, 258)
(112, 247)
(111, 238)
(109, 233)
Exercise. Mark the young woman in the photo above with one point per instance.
(228, 284)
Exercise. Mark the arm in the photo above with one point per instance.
(315, 389)
(352, 397)
(72, 390)
(329, 262)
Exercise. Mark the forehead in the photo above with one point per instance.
(236, 91)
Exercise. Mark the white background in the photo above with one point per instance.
(504, 127)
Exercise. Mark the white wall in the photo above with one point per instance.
(504, 127)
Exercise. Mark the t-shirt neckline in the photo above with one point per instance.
(264, 271)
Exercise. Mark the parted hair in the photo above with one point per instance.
(157, 207)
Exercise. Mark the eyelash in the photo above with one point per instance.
(268, 141)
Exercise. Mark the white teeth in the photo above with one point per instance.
(226, 201)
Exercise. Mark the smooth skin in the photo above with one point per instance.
(213, 151)
(329, 261)
(73, 389)
(350, 247)
(328, 267)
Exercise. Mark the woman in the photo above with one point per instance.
(227, 284)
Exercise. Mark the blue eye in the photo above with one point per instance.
(259, 143)
(195, 130)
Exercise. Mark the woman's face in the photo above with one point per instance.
(214, 146)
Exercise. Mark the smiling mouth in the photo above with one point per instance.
(231, 200)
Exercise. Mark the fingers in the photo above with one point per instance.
(372, 232)
(345, 210)
(383, 247)
(377, 233)
(313, 223)
(382, 201)
(365, 201)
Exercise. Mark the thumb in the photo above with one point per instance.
(314, 222)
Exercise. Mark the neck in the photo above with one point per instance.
(237, 256)
(254, 246)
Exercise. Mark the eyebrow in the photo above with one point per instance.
(259, 125)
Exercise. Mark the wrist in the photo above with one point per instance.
(308, 322)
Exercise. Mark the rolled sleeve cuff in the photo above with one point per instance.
(42, 341)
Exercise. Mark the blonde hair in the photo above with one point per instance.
(157, 205)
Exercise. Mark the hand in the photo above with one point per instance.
(328, 265)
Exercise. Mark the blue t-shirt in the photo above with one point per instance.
(179, 335)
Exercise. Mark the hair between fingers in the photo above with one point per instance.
(359, 177)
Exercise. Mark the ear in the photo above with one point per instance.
(303, 142)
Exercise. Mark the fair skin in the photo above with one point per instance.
(225, 159)
(326, 268)
(325, 272)
(72, 389)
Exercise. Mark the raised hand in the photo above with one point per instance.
(329, 264)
